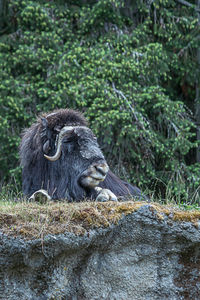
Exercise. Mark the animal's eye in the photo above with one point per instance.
(67, 141)
(69, 146)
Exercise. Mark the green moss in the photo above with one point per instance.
(32, 220)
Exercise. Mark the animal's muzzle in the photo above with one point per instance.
(94, 174)
(101, 169)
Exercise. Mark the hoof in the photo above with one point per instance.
(40, 196)
(105, 195)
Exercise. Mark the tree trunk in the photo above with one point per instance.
(197, 98)
(3, 13)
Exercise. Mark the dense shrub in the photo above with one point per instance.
(131, 68)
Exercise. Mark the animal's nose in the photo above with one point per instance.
(102, 168)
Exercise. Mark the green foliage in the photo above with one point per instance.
(130, 67)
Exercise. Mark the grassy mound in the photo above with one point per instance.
(34, 220)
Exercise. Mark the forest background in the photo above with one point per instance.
(132, 67)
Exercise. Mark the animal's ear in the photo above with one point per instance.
(46, 147)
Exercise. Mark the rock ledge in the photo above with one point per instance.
(145, 256)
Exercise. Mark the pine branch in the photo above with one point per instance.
(183, 2)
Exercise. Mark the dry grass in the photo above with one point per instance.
(33, 220)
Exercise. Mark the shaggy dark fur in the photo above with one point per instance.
(61, 178)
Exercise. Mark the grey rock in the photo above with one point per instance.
(142, 258)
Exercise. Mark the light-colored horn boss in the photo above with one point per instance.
(64, 131)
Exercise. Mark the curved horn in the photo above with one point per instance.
(64, 131)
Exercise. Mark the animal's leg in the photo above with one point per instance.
(104, 195)
(40, 196)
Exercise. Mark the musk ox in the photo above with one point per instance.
(60, 155)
